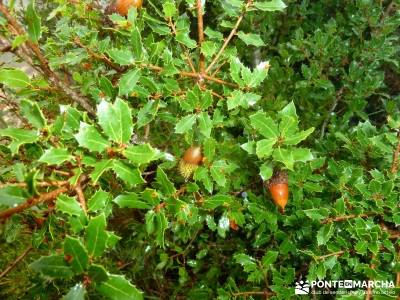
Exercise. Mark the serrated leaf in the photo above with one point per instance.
(68, 205)
(55, 156)
(123, 57)
(269, 258)
(302, 154)
(264, 147)
(324, 234)
(33, 113)
(205, 124)
(96, 236)
(273, 5)
(285, 156)
(74, 248)
(147, 113)
(34, 22)
(77, 292)
(116, 120)
(137, 43)
(217, 171)
(19, 137)
(185, 124)
(183, 38)
(131, 200)
(97, 273)
(52, 266)
(265, 172)
(264, 125)
(217, 200)
(98, 201)
(14, 78)
(89, 138)
(251, 39)
(298, 137)
(118, 288)
(128, 82)
(140, 154)
(130, 175)
(166, 185)
(289, 110)
(169, 8)
(99, 168)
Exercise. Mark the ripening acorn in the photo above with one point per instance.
(190, 161)
(279, 189)
(123, 6)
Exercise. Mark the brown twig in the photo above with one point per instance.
(81, 196)
(396, 153)
(187, 55)
(339, 253)
(368, 294)
(200, 30)
(230, 36)
(345, 218)
(40, 184)
(15, 262)
(33, 202)
(31, 49)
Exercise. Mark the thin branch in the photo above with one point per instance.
(200, 30)
(187, 55)
(30, 48)
(81, 196)
(230, 36)
(40, 184)
(338, 96)
(146, 132)
(33, 202)
(15, 262)
(322, 257)
(345, 218)
(396, 153)
(368, 294)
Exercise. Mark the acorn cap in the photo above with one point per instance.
(193, 155)
(278, 178)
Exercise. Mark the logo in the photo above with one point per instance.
(302, 288)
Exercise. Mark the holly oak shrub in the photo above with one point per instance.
(187, 149)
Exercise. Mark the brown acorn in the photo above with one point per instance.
(123, 6)
(279, 189)
(190, 161)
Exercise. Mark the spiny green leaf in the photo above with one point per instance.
(19, 137)
(33, 113)
(96, 236)
(129, 174)
(118, 288)
(55, 156)
(14, 78)
(88, 137)
(128, 82)
(74, 248)
(140, 154)
(34, 22)
(52, 266)
(264, 125)
(185, 124)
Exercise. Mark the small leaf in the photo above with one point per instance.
(97, 273)
(123, 57)
(116, 120)
(128, 82)
(98, 201)
(216, 201)
(99, 168)
(55, 156)
(89, 138)
(131, 200)
(273, 5)
(269, 258)
(264, 125)
(52, 266)
(298, 137)
(14, 78)
(19, 137)
(34, 22)
(264, 147)
(169, 8)
(251, 39)
(130, 175)
(140, 154)
(33, 113)
(80, 258)
(324, 234)
(68, 205)
(96, 236)
(137, 43)
(166, 185)
(118, 288)
(265, 172)
(205, 124)
(77, 292)
(185, 124)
